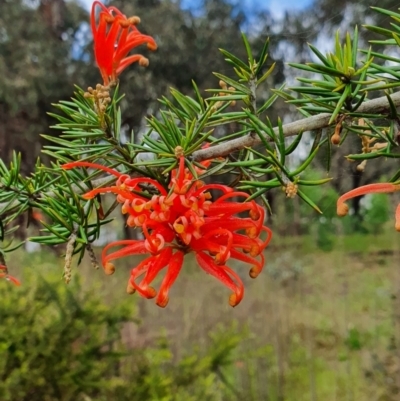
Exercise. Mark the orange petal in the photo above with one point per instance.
(174, 269)
(386, 187)
(206, 262)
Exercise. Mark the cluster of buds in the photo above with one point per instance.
(101, 98)
(290, 189)
(114, 37)
(182, 219)
(226, 92)
(368, 145)
(386, 187)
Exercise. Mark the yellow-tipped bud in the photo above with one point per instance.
(130, 21)
(163, 303)
(255, 251)
(109, 19)
(151, 292)
(335, 139)
(152, 46)
(130, 289)
(179, 228)
(342, 209)
(254, 272)
(233, 300)
(254, 214)
(138, 208)
(135, 20)
(109, 269)
(131, 221)
(144, 62)
(251, 232)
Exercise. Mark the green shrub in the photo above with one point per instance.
(377, 213)
(59, 342)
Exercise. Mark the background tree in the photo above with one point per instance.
(36, 69)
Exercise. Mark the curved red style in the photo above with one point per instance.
(380, 188)
(181, 220)
(114, 37)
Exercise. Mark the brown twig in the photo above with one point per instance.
(319, 121)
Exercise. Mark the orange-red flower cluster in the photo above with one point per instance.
(385, 187)
(114, 37)
(4, 274)
(181, 219)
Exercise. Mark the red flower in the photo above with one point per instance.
(386, 187)
(181, 220)
(114, 37)
(4, 274)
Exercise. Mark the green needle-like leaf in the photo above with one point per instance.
(342, 100)
(306, 199)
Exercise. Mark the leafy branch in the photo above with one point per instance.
(229, 127)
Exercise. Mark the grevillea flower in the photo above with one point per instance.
(4, 274)
(386, 187)
(181, 219)
(114, 37)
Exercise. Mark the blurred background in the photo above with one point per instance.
(321, 322)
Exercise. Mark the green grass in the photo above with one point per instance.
(314, 325)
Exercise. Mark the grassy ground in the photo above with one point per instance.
(314, 325)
